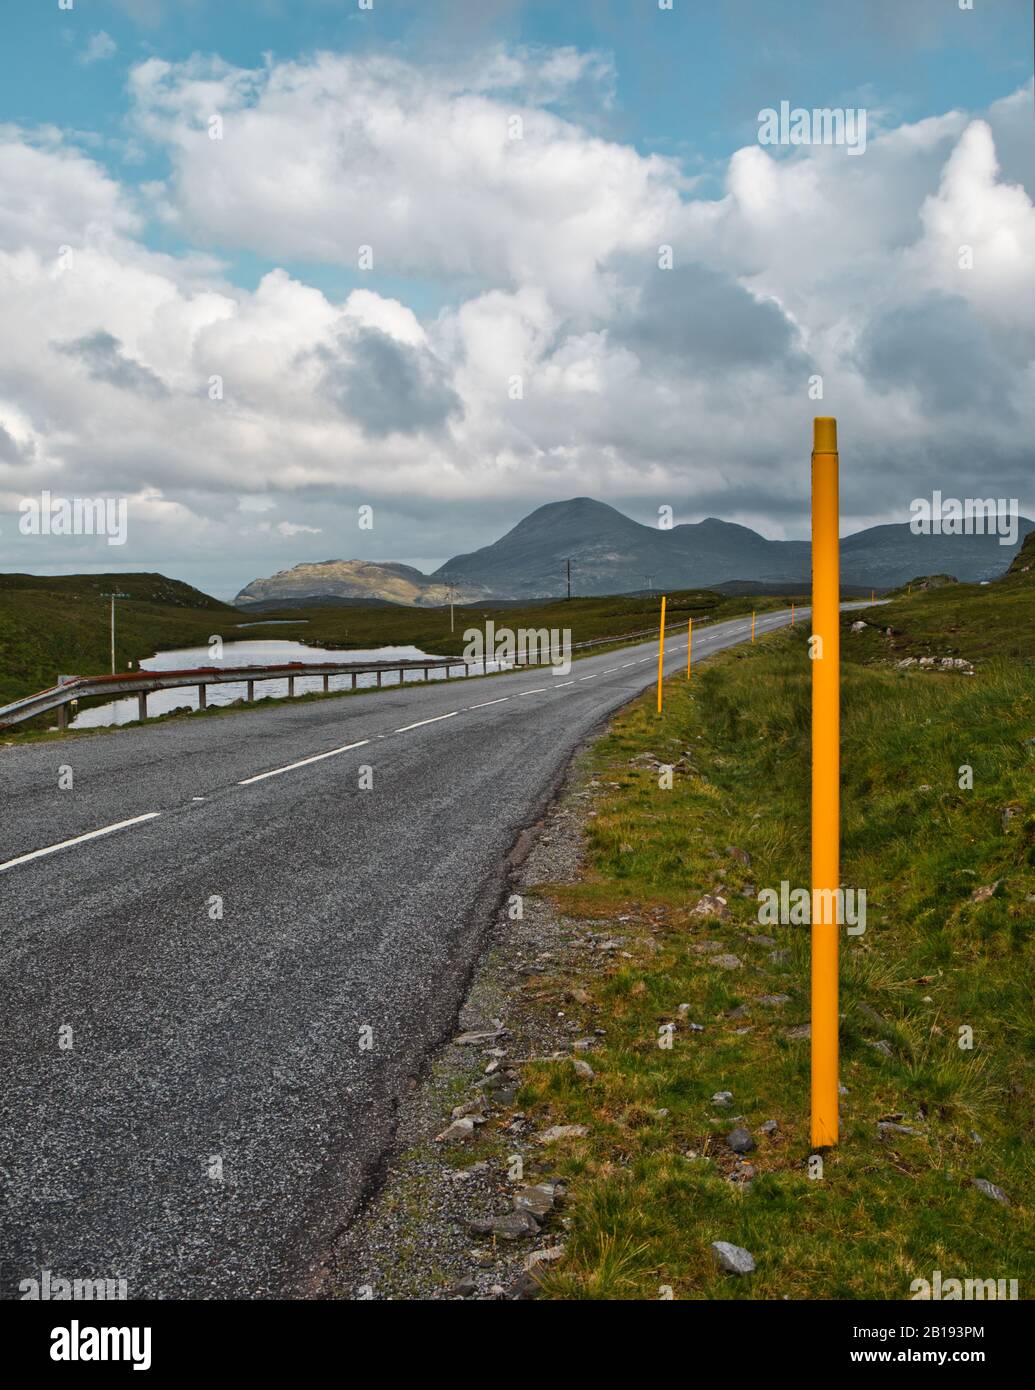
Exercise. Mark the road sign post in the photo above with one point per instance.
(826, 780)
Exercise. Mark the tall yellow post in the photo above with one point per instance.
(661, 651)
(689, 644)
(826, 778)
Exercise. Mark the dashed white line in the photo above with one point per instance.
(302, 762)
(537, 691)
(79, 839)
(590, 678)
(486, 703)
(421, 722)
(561, 684)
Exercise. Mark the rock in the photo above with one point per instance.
(990, 1190)
(1009, 812)
(555, 1132)
(524, 1287)
(711, 905)
(740, 855)
(722, 1098)
(741, 1011)
(803, 1030)
(779, 957)
(740, 1140)
(770, 1127)
(474, 1108)
(760, 939)
(883, 1047)
(457, 1133)
(704, 948)
(904, 665)
(733, 1259)
(577, 996)
(583, 1044)
(726, 962)
(546, 1255)
(886, 1127)
(478, 1038)
(775, 999)
(859, 626)
(510, 1227)
(538, 1200)
(981, 895)
(463, 1288)
(583, 1069)
(743, 1173)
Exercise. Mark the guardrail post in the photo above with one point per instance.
(326, 684)
(427, 672)
(353, 685)
(400, 675)
(251, 691)
(291, 686)
(379, 678)
(142, 705)
(202, 697)
(62, 718)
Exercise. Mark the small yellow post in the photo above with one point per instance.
(871, 595)
(752, 625)
(826, 779)
(689, 644)
(661, 651)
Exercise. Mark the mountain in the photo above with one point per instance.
(612, 554)
(145, 588)
(351, 579)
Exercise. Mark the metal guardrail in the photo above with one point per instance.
(142, 683)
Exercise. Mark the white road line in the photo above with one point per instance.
(590, 678)
(625, 664)
(303, 762)
(79, 839)
(562, 684)
(421, 722)
(485, 703)
(537, 691)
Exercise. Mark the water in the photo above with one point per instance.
(256, 652)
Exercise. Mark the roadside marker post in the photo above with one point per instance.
(661, 651)
(826, 779)
(752, 625)
(792, 613)
(689, 644)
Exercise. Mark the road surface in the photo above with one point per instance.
(187, 1100)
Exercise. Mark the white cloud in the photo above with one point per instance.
(99, 47)
(639, 385)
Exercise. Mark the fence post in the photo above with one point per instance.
(661, 651)
(202, 696)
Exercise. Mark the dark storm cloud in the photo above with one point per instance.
(939, 348)
(386, 386)
(707, 322)
(104, 359)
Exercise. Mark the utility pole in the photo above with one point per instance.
(568, 563)
(649, 580)
(113, 596)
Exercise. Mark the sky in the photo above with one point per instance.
(266, 266)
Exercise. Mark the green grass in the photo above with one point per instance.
(643, 1213)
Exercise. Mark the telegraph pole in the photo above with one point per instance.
(113, 596)
(568, 563)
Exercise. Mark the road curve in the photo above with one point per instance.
(194, 1102)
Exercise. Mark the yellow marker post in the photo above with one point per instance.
(752, 626)
(826, 779)
(871, 595)
(689, 644)
(661, 651)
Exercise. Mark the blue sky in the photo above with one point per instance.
(497, 260)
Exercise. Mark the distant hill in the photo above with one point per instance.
(351, 579)
(144, 588)
(610, 553)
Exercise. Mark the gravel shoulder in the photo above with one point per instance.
(413, 1240)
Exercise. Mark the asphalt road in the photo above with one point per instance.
(187, 1103)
